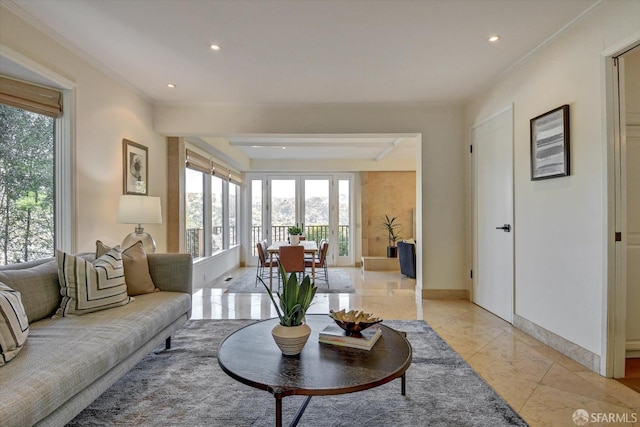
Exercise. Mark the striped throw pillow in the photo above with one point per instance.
(91, 286)
(14, 325)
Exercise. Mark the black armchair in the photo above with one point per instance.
(407, 258)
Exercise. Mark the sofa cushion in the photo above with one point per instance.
(136, 268)
(37, 282)
(14, 326)
(65, 355)
(87, 287)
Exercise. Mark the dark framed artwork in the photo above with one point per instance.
(135, 167)
(550, 144)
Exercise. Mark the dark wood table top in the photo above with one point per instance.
(250, 356)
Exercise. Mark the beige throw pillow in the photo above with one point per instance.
(136, 268)
(91, 286)
(14, 325)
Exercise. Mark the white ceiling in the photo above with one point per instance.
(305, 51)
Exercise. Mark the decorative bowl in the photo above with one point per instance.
(353, 321)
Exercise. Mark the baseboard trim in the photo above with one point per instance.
(445, 294)
(633, 348)
(564, 346)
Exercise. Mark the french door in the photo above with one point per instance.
(319, 204)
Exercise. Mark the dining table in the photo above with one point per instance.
(310, 247)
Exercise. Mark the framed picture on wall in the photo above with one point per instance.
(135, 167)
(550, 144)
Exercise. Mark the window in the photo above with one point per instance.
(211, 204)
(26, 185)
(194, 206)
(233, 209)
(217, 214)
(32, 191)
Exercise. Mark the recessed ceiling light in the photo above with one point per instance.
(171, 85)
(494, 38)
(214, 47)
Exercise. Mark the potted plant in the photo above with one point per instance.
(294, 235)
(392, 228)
(291, 333)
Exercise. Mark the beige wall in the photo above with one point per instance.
(561, 224)
(442, 257)
(105, 113)
(386, 193)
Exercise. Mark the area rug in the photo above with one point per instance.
(243, 281)
(184, 386)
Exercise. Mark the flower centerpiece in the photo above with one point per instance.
(294, 235)
(291, 333)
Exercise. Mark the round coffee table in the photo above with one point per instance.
(250, 356)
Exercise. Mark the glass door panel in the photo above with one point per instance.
(344, 219)
(316, 209)
(284, 207)
(256, 215)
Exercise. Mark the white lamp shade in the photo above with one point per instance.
(139, 210)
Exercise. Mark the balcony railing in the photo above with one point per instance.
(279, 233)
(195, 240)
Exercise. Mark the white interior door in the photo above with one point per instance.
(633, 241)
(492, 158)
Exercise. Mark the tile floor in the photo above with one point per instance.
(542, 385)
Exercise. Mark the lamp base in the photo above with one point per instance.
(140, 235)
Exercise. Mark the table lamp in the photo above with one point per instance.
(139, 210)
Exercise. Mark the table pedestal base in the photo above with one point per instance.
(303, 407)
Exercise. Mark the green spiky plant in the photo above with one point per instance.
(392, 228)
(295, 298)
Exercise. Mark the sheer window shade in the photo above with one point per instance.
(201, 163)
(37, 99)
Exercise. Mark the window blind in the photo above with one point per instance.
(198, 162)
(30, 97)
(203, 164)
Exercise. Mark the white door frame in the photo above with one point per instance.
(614, 302)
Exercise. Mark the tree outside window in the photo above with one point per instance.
(26, 185)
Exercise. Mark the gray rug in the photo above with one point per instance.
(185, 386)
(243, 281)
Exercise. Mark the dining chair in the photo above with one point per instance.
(309, 257)
(322, 272)
(291, 258)
(264, 264)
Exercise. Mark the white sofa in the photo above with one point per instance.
(67, 362)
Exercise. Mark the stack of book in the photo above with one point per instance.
(335, 335)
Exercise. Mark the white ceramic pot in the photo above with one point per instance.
(294, 239)
(291, 339)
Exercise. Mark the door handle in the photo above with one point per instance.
(506, 228)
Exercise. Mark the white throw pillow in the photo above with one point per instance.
(91, 286)
(14, 325)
